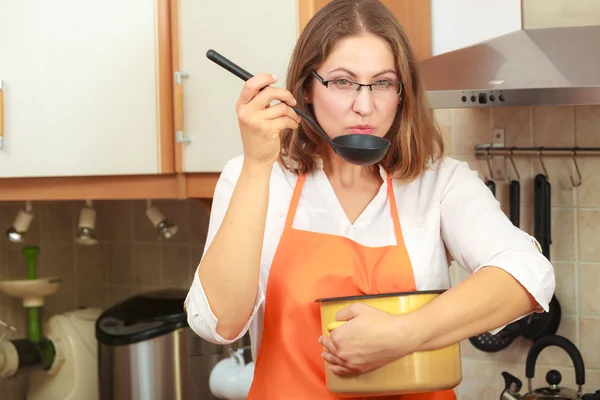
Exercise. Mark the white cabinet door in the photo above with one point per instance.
(80, 87)
(460, 23)
(259, 36)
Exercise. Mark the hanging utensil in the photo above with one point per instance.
(537, 325)
(490, 343)
(542, 213)
(514, 194)
(354, 148)
(553, 378)
(491, 185)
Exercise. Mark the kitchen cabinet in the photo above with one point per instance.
(86, 88)
(258, 35)
(460, 23)
(414, 15)
(559, 13)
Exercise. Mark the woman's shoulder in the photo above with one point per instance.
(280, 175)
(440, 172)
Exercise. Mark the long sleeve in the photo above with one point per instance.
(200, 317)
(477, 233)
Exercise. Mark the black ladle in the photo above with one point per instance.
(354, 148)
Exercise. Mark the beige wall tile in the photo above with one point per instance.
(563, 231)
(559, 174)
(553, 126)
(588, 341)
(58, 261)
(91, 296)
(477, 379)
(114, 221)
(516, 122)
(566, 287)
(587, 126)
(91, 265)
(471, 126)
(527, 219)
(588, 193)
(58, 222)
(145, 268)
(120, 271)
(176, 266)
(589, 289)
(589, 235)
(443, 118)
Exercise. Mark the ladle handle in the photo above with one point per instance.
(245, 75)
(228, 65)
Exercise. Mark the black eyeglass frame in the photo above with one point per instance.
(360, 85)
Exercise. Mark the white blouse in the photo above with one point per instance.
(447, 208)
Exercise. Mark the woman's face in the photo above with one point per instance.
(341, 109)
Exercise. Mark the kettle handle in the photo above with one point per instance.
(563, 343)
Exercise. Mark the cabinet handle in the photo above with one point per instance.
(178, 89)
(1, 116)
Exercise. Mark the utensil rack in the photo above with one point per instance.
(489, 151)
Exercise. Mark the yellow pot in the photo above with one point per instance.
(424, 371)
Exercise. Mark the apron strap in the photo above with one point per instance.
(394, 210)
(295, 199)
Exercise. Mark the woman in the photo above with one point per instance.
(292, 222)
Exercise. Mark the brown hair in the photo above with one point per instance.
(416, 138)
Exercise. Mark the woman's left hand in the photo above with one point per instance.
(370, 339)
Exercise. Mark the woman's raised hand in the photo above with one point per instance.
(260, 124)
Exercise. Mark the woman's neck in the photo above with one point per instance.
(345, 175)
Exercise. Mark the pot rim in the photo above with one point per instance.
(370, 296)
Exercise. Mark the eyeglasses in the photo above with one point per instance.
(382, 89)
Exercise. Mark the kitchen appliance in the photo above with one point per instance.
(527, 67)
(148, 352)
(422, 371)
(60, 357)
(354, 148)
(553, 391)
(74, 373)
(232, 377)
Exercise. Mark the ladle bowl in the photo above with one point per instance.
(354, 148)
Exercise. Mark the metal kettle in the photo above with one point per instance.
(553, 391)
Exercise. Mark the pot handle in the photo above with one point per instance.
(563, 343)
(334, 324)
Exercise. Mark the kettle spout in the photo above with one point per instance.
(512, 386)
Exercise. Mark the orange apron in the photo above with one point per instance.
(308, 266)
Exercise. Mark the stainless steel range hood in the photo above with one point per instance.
(535, 67)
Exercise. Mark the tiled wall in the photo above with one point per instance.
(575, 251)
(129, 258)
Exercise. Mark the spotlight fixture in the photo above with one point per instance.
(164, 229)
(17, 232)
(86, 231)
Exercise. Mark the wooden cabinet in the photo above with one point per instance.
(414, 15)
(116, 99)
(258, 35)
(86, 88)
